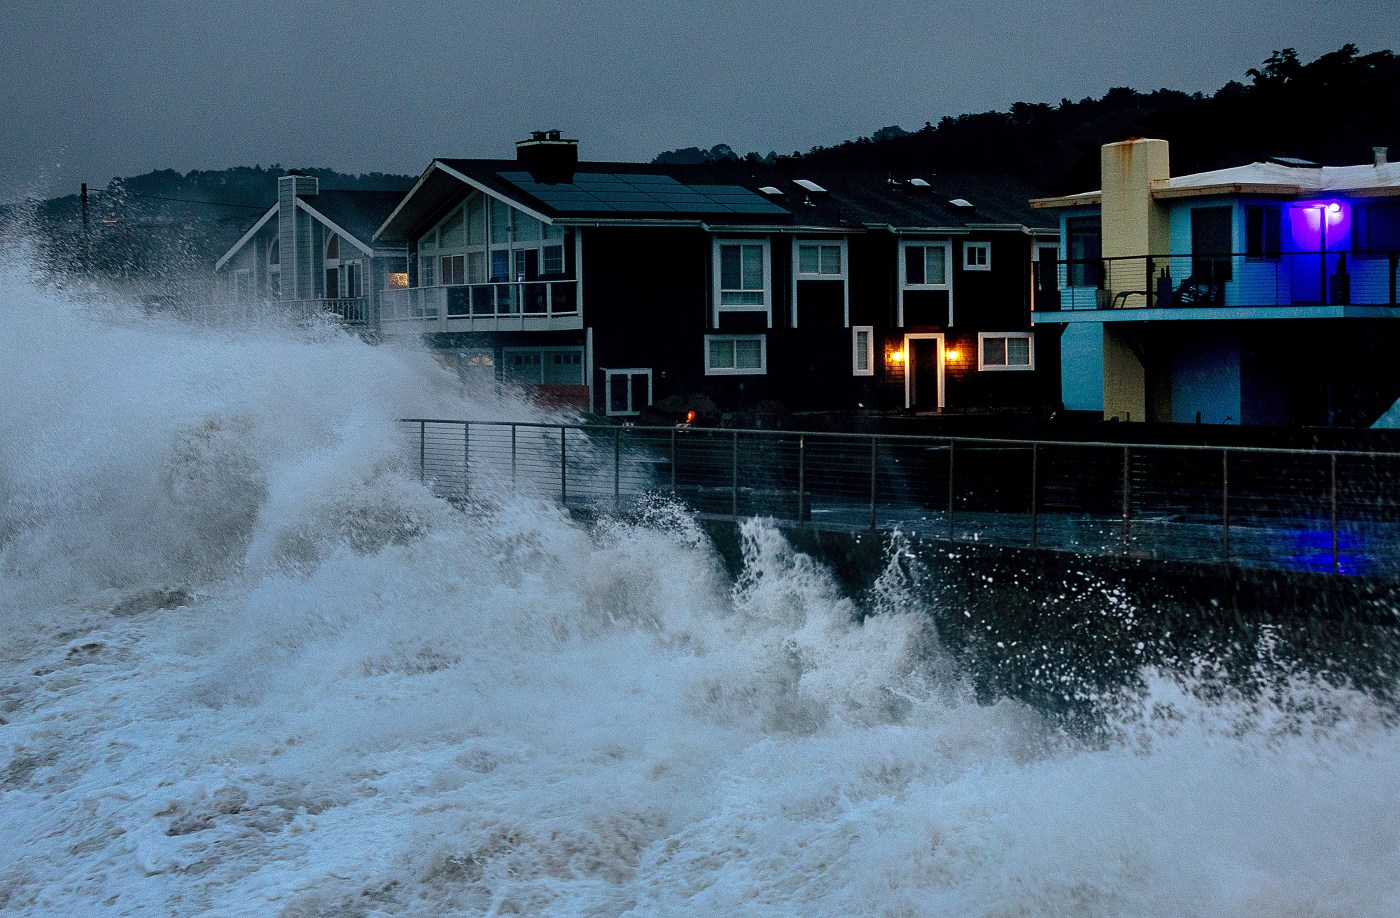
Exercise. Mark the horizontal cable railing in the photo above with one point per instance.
(1279, 278)
(1335, 512)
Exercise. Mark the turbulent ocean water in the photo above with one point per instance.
(252, 667)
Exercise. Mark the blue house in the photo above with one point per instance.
(1260, 294)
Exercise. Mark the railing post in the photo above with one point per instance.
(874, 445)
(801, 474)
(673, 462)
(734, 475)
(1225, 502)
(513, 429)
(1336, 566)
(563, 465)
(951, 445)
(422, 452)
(1150, 285)
(1035, 494)
(1127, 495)
(466, 459)
(617, 468)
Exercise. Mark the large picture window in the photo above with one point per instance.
(731, 355)
(628, 391)
(1262, 233)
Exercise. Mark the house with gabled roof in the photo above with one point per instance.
(1260, 294)
(315, 250)
(615, 286)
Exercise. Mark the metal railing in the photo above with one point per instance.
(356, 311)
(1297, 278)
(1328, 511)
(489, 303)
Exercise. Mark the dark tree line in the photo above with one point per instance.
(1332, 110)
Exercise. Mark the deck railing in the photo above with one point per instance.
(1328, 511)
(485, 303)
(1295, 278)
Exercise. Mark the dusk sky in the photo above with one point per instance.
(97, 90)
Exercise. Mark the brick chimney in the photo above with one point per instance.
(550, 158)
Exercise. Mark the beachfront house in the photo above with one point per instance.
(615, 287)
(1260, 294)
(313, 251)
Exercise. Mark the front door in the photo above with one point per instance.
(923, 381)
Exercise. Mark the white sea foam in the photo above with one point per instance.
(252, 668)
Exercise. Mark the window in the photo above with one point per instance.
(1005, 351)
(977, 256)
(1210, 244)
(732, 355)
(926, 265)
(628, 391)
(863, 350)
(741, 281)
(1261, 233)
(486, 240)
(352, 279)
(1084, 251)
(333, 248)
(820, 260)
(1378, 228)
(452, 270)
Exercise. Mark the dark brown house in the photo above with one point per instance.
(616, 286)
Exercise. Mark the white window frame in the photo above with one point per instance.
(971, 261)
(355, 266)
(628, 372)
(904, 246)
(766, 306)
(843, 276)
(760, 370)
(799, 244)
(982, 364)
(869, 332)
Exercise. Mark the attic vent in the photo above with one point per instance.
(962, 204)
(771, 191)
(806, 185)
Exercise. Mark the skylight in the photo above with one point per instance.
(919, 183)
(809, 186)
(962, 202)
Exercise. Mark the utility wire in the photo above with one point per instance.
(156, 197)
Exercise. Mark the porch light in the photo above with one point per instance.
(951, 354)
(896, 357)
(398, 280)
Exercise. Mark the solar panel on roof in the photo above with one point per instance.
(624, 193)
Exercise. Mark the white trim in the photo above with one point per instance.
(760, 370)
(909, 366)
(627, 372)
(766, 306)
(904, 246)
(869, 331)
(843, 275)
(994, 368)
(243, 240)
(588, 365)
(330, 223)
(485, 189)
(972, 245)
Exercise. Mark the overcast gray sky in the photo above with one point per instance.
(96, 90)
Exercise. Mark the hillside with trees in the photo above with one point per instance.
(1332, 110)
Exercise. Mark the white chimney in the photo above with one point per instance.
(1380, 155)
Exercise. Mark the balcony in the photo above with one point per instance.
(1209, 286)
(519, 306)
(351, 311)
